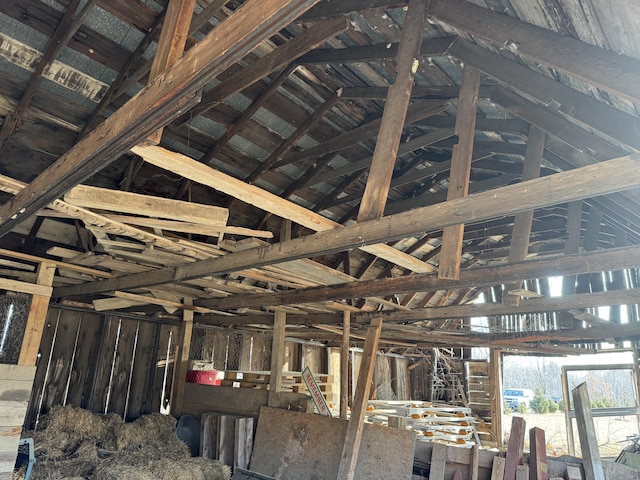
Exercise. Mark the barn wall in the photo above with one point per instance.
(104, 363)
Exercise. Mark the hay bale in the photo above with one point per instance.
(117, 472)
(211, 469)
(151, 431)
(78, 421)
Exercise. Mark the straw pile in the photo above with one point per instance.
(76, 444)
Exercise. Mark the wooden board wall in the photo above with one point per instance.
(102, 363)
(15, 388)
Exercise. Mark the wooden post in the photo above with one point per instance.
(587, 434)
(375, 194)
(438, 461)
(521, 231)
(495, 386)
(277, 356)
(537, 455)
(514, 449)
(182, 360)
(353, 436)
(451, 250)
(473, 462)
(497, 470)
(344, 364)
(37, 315)
(173, 38)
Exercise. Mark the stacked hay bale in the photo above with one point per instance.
(77, 444)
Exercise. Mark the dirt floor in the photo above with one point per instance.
(612, 432)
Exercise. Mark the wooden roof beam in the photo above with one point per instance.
(315, 35)
(532, 305)
(345, 7)
(585, 109)
(264, 200)
(156, 105)
(173, 38)
(431, 47)
(394, 114)
(612, 72)
(605, 177)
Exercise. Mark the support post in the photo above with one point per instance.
(344, 364)
(495, 385)
(374, 198)
(515, 447)
(353, 437)
(277, 356)
(521, 231)
(451, 250)
(182, 361)
(37, 315)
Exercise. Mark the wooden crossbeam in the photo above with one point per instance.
(579, 106)
(418, 111)
(593, 180)
(156, 104)
(591, 262)
(264, 200)
(432, 47)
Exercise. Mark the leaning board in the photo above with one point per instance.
(298, 446)
(15, 390)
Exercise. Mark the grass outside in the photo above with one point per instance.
(612, 432)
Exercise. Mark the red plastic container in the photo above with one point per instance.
(205, 377)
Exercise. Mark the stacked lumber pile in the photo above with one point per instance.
(431, 422)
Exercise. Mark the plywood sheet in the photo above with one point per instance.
(297, 446)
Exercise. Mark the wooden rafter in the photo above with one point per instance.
(610, 71)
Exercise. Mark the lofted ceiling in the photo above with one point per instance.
(259, 193)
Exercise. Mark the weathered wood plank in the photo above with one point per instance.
(138, 204)
(37, 315)
(497, 470)
(277, 355)
(591, 461)
(514, 448)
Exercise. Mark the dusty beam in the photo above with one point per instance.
(156, 105)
